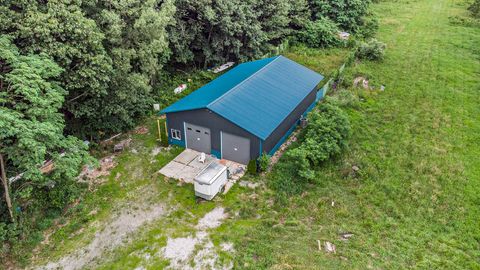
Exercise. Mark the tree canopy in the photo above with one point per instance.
(31, 128)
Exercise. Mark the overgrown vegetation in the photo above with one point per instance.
(320, 33)
(371, 50)
(325, 136)
(348, 14)
(475, 8)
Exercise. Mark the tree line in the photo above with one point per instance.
(72, 70)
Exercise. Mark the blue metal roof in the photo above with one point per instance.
(257, 96)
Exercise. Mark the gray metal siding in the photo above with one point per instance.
(216, 123)
(278, 133)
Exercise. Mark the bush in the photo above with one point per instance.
(371, 50)
(325, 136)
(475, 8)
(252, 167)
(264, 162)
(322, 33)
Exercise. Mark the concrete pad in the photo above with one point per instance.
(171, 169)
(186, 166)
(197, 164)
(187, 174)
(186, 156)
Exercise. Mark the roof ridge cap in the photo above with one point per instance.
(243, 81)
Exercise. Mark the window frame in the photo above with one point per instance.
(175, 134)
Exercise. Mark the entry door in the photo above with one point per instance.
(198, 138)
(235, 148)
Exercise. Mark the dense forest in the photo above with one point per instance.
(76, 70)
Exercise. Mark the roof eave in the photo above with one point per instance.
(165, 111)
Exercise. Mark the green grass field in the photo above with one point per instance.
(415, 203)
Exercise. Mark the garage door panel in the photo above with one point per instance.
(235, 148)
(198, 138)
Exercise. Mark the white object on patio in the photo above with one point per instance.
(210, 180)
(202, 157)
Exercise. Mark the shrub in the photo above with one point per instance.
(475, 8)
(322, 33)
(252, 167)
(263, 162)
(325, 136)
(371, 50)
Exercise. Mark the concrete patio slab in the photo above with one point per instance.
(197, 164)
(187, 174)
(172, 168)
(186, 156)
(186, 166)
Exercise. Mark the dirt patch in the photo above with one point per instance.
(113, 235)
(180, 250)
(141, 130)
(248, 184)
(120, 146)
(90, 173)
(212, 219)
(228, 247)
(157, 150)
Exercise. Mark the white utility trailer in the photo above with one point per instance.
(210, 181)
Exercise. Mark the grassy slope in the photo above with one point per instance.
(416, 203)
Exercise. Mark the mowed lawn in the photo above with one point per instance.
(416, 201)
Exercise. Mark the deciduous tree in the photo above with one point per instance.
(31, 130)
(137, 43)
(348, 14)
(61, 30)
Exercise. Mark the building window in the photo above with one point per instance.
(176, 134)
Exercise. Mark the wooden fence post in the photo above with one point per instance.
(159, 132)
